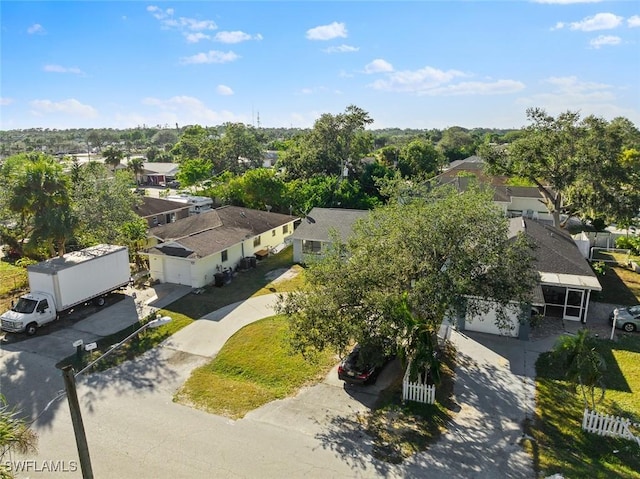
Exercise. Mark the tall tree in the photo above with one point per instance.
(573, 162)
(420, 158)
(335, 142)
(136, 166)
(112, 156)
(406, 267)
(194, 170)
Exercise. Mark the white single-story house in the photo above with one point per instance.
(566, 280)
(312, 237)
(192, 250)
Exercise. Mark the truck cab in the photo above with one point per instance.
(29, 313)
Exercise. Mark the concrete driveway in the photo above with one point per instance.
(135, 430)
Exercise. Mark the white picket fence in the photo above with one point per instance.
(606, 425)
(417, 391)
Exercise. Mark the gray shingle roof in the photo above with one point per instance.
(556, 252)
(216, 230)
(153, 206)
(320, 221)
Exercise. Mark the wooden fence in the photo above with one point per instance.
(606, 425)
(418, 391)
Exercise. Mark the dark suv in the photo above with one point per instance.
(353, 371)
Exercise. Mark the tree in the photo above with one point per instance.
(420, 158)
(457, 143)
(239, 149)
(112, 156)
(38, 196)
(15, 434)
(578, 357)
(136, 166)
(193, 170)
(573, 162)
(102, 204)
(406, 267)
(334, 142)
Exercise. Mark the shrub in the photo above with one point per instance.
(629, 242)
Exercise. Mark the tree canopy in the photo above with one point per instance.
(577, 164)
(407, 266)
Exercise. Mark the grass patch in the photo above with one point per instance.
(254, 367)
(401, 430)
(620, 285)
(13, 279)
(145, 341)
(561, 445)
(246, 284)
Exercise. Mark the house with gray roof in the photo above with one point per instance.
(566, 280)
(158, 211)
(192, 250)
(313, 236)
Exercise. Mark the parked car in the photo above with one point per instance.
(353, 371)
(626, 318)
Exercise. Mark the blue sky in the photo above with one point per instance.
(418, 64)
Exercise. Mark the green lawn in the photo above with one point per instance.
(12, 278)
(254, 367)
(562, 446)
(245, 284)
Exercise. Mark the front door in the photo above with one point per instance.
(573, 304)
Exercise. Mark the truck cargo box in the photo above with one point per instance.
(82, 275)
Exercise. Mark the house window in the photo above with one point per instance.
(311, 247)
(225, 256)
(256, 241)
(285, 229)
(155, 220)
(273, 232)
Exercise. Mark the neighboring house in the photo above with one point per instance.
(513, 200)
(270, 158)
(312, 237)
(158, 211)
(196, 204)
(158, 174)
(566, 280)
(192, 250)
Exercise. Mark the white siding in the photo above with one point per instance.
(486, 323)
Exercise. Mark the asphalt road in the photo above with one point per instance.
(134, 429)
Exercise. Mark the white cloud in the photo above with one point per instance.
(633, 22)
(602, 40)
(36, 28)
(61, 69)
(185, 110)
(327, 32)
(69, 107)
(498, 87)
(566, 2)
(600, 21)
(224, 90)
(341, 49)
(416, 81)
(167, 20)
(378, 66)
(4, 101)
(212, 56)
(235, 37)
(196, 37)
(571, 93)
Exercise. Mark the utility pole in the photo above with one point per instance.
(76, 419)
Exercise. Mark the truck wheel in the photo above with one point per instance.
(31, 329)
(100, 301)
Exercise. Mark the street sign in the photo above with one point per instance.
(90, 346)
(77, 343)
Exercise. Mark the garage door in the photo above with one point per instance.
(486, 323)
(177, 271)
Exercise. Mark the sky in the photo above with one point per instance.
(415, 64)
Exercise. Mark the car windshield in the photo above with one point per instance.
(635, 310)
(25, 306)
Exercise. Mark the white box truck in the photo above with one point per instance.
(59, 284)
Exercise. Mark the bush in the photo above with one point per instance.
(629, 242)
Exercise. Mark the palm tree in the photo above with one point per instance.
(136, 165)
(14, 434)
(582, 364)
(112, 156)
